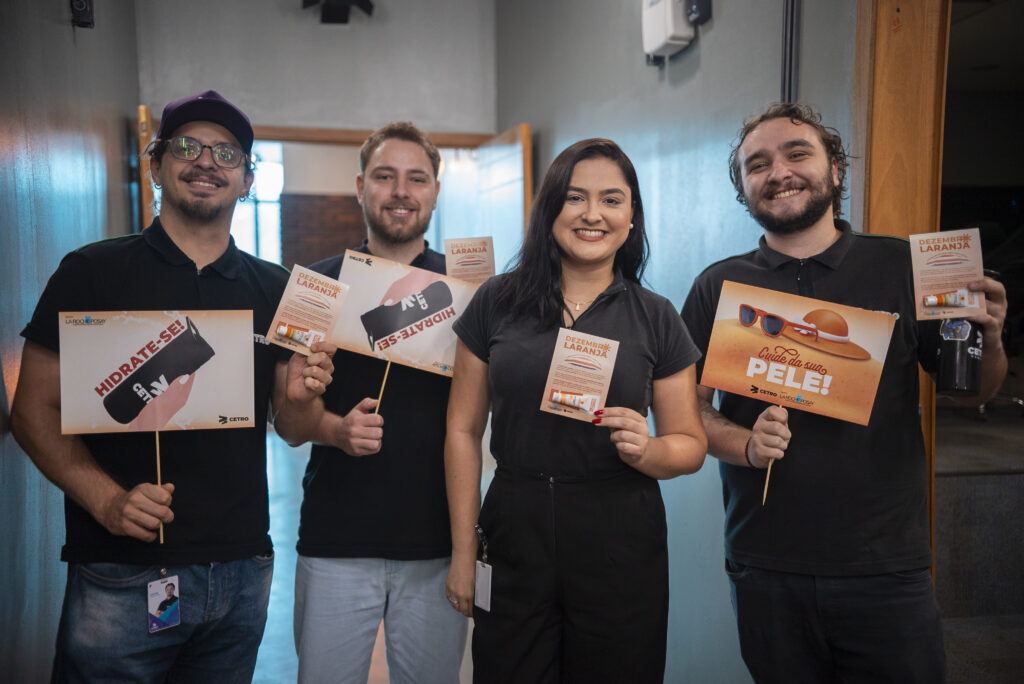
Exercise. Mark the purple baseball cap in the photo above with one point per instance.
(208, 106)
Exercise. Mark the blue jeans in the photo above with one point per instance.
(340, 602)
(811, 629)
(104, 636)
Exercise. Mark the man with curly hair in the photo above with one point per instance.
(831, 578)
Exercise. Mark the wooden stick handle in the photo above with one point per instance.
(383, 382)
(158, 477)
(767, 476)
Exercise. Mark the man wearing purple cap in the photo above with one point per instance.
(213, 502)
(830, 577)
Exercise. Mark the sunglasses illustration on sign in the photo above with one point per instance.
(820, 329)
(181, 356)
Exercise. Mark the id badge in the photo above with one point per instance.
(482, 597)
(164, 605)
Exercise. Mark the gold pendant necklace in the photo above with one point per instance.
(578, 304)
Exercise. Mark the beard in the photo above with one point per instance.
(196, 210)
(392, 235)
(819, 202)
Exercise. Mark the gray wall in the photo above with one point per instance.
(428, 62)
(575, 69)
(67, 97)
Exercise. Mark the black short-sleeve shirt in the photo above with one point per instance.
(391, 504)
(220, 476)
(653, 344)
(846, 499)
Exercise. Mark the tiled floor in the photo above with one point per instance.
(276, 663)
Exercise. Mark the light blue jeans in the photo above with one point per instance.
(339, 603)
(104, 635)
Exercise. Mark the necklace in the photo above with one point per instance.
(578, 304)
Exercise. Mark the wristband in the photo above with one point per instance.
(746, 452)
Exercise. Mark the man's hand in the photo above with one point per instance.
(308, 376)
(992, 318)
(359, 433)
(770, 437)
(138, 512)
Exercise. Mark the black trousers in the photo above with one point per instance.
(579, 588)
(822, 630)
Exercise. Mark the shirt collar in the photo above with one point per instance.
(227, 264)
(831, 257)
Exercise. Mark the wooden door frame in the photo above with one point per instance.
(899, 104)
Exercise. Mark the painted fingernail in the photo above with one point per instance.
(599, 412)
(596, 421)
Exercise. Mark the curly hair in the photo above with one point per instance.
(534, 285)
(402, 130)
(798, 114)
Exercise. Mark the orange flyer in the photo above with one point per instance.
(944, 264)
(580, 374)
(308, 310)
(469, 259)
(797, 352)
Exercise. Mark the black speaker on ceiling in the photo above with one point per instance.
(337, 11)
(81, 14)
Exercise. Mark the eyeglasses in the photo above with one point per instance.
(772, 324)
(225, 155)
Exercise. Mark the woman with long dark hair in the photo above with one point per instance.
(573, 526)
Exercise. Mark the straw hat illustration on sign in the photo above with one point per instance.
(821, 329)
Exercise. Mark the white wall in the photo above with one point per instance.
(428, 62)
(575, 69)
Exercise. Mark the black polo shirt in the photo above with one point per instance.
(846, 499)
(220, 476)
(391, 504)
(653, 344)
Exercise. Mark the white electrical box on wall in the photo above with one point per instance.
(665, 28)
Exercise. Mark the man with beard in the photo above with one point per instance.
(215, 538)
(374, 538)
(830, 579)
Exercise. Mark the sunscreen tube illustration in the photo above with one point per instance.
(583, 402)
(303, 337)
(961, 297)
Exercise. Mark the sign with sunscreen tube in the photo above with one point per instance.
(141, 371)
(580, 374)
(797, 352)
(400, 313)
(944, 264)
(307, 312)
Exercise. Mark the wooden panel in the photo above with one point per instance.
(144, 132)
(905, 106)
(351, 136)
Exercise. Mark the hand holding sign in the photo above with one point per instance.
(629, 432)
(360, 431)
(769, 437)
(139, 512)
(308, 376)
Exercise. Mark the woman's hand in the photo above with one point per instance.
(461, 584)
(629, 432)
